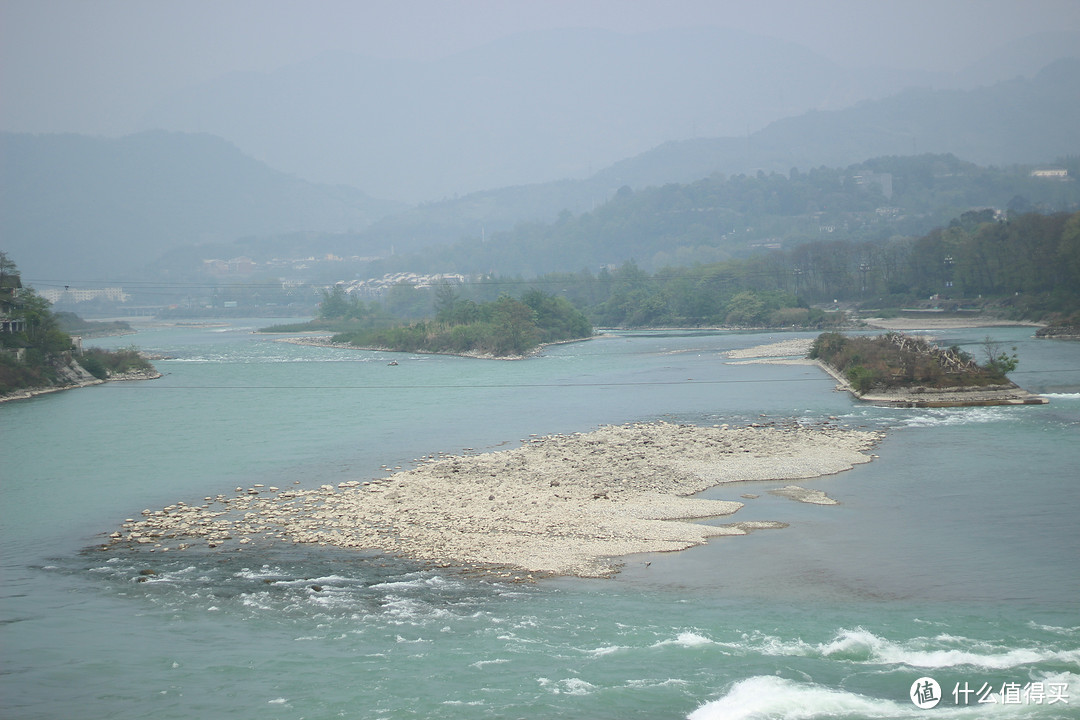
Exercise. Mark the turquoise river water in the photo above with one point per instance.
(953, 556)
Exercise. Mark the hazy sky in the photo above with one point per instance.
(95, 65)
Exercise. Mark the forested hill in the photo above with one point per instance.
(718, 218)
(1020, 121)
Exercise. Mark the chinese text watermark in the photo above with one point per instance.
(926, 693)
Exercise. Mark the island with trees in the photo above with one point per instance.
(506, 327)
(901, 370)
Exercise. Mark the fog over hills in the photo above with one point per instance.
(88, 208)
(83, 208)
(1014, 121)
(534, 107)
(547, 105)
(1019, 121)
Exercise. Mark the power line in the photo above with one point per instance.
(513, 386)
(478, 386)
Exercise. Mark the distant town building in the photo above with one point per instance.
(78, 295)
(242, 265)
(882, 180)
(9, 291)
(377, 286)
(1051, 173)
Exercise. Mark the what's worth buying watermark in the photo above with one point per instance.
(926, 693)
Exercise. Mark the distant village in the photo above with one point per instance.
(238, 283)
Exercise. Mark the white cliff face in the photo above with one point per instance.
(72, 373)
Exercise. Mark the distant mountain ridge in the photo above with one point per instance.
(80, 208)
(546, 105)
(543, 106)
(1019, 121)
(1023, 120)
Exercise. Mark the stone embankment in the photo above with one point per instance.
(557, 505)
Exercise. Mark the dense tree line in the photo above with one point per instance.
(1027, 265)
(502, 327)
(725, 217)
(1024, 265)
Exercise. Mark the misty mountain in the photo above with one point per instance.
(1024, 57)
(540, 106)
(114, 206)
(1019, 121)
(1023, 120)
(82, 208)
(720, 217)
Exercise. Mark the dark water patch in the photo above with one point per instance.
(287, 583)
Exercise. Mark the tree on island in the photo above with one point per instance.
(504, 327)
(997, 359)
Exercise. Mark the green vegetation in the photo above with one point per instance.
(502, 328)
(339, 312)
(74, 325)
(708, 295)
(31, 345)
(104, 364)
(1020, 267)
(725, 217)
(35, 352)
(895, 360)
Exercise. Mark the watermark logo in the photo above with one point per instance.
(925, 693)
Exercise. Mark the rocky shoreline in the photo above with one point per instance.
(557, 505)
(75, 376)
(934, 322)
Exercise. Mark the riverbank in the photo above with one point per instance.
(326, 341)
(930, 322)
(557, 505)
(78, 378)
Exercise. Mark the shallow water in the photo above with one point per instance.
(952, 555)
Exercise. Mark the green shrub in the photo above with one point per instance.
(93, 364)
(103, 363)
(862, 378)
